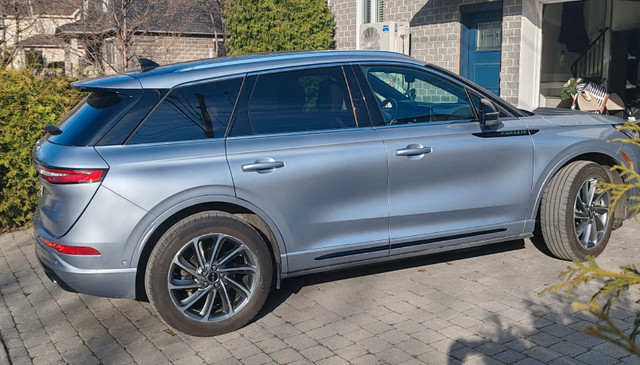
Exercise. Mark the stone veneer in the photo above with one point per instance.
(167, 49)
(436, 32)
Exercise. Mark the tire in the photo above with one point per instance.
(570, 229)
(221, 290)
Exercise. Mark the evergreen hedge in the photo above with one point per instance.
(27, 103)
(278, 25)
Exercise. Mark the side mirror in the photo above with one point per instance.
(489, 115)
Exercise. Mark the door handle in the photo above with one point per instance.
(414, 149)
(263, 166)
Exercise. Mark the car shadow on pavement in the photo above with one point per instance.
(293, 285)
(546, 333)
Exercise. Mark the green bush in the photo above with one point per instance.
(278, 25)
(27, 104)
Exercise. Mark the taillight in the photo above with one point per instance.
(71, 250)
(70, 176)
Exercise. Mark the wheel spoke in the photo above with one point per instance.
(185, 265)
(205, 312)
(216, 249)
(242, 288)
(186, 303)
(177, 284)
(600, 209)
(586, 234)
(231, 255)
(591, 192)
(593, 239)
(244, 269)
(581, 227)
(197, 247)
(580, 206)
(580, 215)
(583, 195)
(227, 307)
(599, 196)
(600, 221)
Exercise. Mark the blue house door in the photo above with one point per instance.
(481, 44)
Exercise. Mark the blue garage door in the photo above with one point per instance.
(481, 44)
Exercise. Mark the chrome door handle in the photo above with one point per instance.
(414, 150)
(263, 166)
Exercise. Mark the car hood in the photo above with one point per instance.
(572, 118)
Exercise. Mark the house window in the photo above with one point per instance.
(489, 35)
(372, 11)
(109, 52)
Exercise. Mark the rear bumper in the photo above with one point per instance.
(55, 278)
(112, 283)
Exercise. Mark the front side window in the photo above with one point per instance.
(190, 113)
(305, 100)
(407, 95)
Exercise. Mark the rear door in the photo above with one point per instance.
(297, 152)
(450, 181)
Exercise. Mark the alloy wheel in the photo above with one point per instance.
(591, 214)
(212, 277)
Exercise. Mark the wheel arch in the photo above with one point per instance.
(603, 158)
(249, 215)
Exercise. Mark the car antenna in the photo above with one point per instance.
(146, 64)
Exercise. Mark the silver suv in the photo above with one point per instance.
(200, 185)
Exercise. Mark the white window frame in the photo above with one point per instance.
(374, 6)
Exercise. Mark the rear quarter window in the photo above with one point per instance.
(190, 113)
(85, 124)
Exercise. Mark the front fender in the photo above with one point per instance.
(603, 154)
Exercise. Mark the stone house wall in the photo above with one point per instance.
(171, 49)
(166, 49)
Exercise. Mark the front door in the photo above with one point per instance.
(481, 44)
(446, 177)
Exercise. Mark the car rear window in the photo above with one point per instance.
(92, 117)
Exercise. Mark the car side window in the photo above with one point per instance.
(190, 113)
(304, 100)
(406, 95)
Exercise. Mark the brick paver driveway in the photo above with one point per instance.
(477, 306)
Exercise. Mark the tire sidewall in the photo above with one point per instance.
(174, 240)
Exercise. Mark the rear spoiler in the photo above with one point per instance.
(121, 81)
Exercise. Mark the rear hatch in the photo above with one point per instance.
(70, 169)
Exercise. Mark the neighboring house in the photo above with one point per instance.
(29, 27)
(524, 50)
(154, 31)
(85, 37)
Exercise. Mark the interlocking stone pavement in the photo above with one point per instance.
(478, 306)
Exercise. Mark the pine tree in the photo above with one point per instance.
(611, 284)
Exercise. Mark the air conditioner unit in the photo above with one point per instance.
(385, 36)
